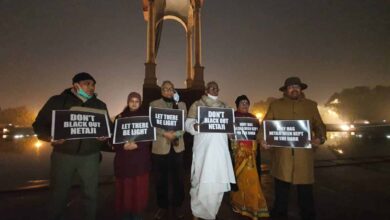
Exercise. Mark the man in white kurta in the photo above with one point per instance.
(211, 170)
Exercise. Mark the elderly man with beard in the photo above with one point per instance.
(211, 170)
(294, 165)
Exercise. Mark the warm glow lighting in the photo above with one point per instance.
(18, 136)
(336, 101)
(345, 127)
(5, 130)
(340, 151)
(259, 115)
(38, 144)
(5, 136)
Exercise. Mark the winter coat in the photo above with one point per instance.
(65, 101)
(294, 165)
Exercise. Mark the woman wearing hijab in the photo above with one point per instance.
(132, 165)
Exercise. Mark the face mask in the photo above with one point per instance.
(83, 94)
(212, 97)
(176, 97)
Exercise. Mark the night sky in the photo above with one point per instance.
(249, 47)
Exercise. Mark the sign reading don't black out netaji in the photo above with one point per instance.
(246, 128)
(167, 119)
(137, 129)
(68, 124)
(215, 120)
(287, 133)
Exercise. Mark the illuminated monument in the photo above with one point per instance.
(186, 13)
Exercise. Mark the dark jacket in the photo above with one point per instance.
(64, 101)
(130, 163)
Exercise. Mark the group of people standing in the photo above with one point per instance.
(212, 171)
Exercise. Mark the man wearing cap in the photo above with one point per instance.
(71, 157)
(289, 165)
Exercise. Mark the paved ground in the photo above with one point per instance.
(344, 189)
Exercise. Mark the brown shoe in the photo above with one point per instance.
(160, 213)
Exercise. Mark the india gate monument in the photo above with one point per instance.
(188, 14)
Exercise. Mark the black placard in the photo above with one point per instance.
(246, 128)
(167, 119)
(137, 129)
(68, 124)
(215, 120)
(287, 133)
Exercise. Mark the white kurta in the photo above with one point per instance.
(211, 171)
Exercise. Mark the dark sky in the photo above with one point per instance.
(249, 47)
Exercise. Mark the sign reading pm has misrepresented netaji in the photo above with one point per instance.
(215, 120)
(167, 119)
(136, 128)
(68, 124)
(287, 133)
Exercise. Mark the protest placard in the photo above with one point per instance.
(246, 128)
(136, 129)
(215, 120)
(167, 119)
(287, 133)
(68, 124)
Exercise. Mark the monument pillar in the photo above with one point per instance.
(198, 81)
(190, 76)
(150, 65)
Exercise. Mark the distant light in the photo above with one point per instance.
(384, 120)
(366, 122)
(5, 130)
(18, 136)
(5, 136)
(352, 126)
(352, 133)
(259, 116)
(359, 135)
(345, 127)
(38, 144)
(336, 101)
(340, 151)
(9, 124)
(388, 136)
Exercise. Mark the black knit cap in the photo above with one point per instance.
(240, 98)
(82, 76)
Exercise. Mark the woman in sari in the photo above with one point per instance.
(249, 199)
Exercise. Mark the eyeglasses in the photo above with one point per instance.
(168, 89)
(214, 89)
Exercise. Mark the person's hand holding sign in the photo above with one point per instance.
(130, 145)
(170, 135)
(102, 138)
(57, 142)
(196, 126)
(264, 145)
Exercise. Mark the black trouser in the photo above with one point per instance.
(165, 166)
(305, 199)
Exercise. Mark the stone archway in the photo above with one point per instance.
(187, 13)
